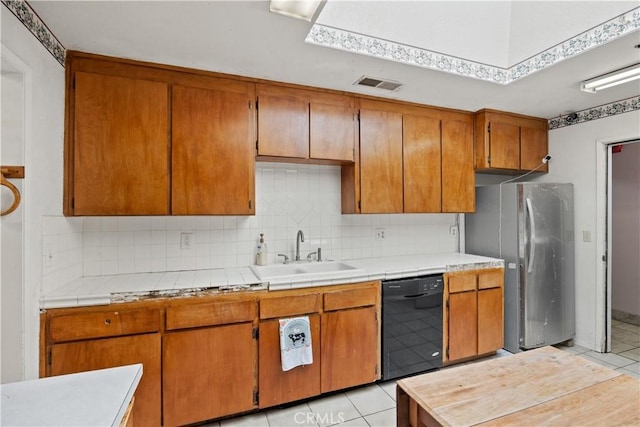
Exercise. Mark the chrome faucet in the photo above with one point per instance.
(299, 238)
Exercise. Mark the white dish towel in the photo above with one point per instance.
(295, 342)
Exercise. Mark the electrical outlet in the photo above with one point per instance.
(379, 233)
(453, 230)
(186, 240)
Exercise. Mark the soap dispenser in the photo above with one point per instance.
(261, 254)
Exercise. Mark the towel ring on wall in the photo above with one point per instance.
(11, 172)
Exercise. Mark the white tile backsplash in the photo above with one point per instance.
(289, 197)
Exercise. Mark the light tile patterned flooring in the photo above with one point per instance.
(374, 405)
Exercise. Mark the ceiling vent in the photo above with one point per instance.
(377, 83)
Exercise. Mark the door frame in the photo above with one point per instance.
(603, 242)
(24, 211)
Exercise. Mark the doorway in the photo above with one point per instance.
(13, 125)
(623, 239)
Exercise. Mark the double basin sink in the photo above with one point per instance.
(302, 270)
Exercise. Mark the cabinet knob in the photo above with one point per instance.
(107, 321)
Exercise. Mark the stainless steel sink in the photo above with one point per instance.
(279, 271)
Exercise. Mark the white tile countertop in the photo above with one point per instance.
(93, 398)
(101, 290)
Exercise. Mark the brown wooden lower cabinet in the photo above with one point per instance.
(208, 373)
(277, 386)
(473, 313)
(350, 348)
(219, 355)
(80, 356)
(490, 320)
(463, 325)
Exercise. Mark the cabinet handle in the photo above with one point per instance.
(107, 321)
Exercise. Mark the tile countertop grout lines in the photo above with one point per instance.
(100, 290)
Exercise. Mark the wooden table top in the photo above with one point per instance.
(545, 386)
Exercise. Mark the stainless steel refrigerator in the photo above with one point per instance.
(530, 226)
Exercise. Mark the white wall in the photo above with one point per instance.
(289, 197)
(42, 186)
(625, 275)
(574, 151)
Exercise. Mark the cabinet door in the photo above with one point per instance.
(458, 176)
(283, 126)
(463, 325)
(208, 373)
(504, 147)
(276, 386)
(350, 348)
(421, 161)
(120, 146)
(490, 320)
(332, 132)
(72, 357)
(380, 161)
(213, 154)
(533, 147)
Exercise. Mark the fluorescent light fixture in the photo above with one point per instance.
(301, 9)
(614, 78)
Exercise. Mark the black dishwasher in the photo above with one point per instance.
(411, 325)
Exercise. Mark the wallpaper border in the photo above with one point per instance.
(607, 110)
(30, 19)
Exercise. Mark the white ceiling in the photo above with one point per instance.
(243, 37)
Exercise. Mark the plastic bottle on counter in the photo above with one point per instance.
(261, 254)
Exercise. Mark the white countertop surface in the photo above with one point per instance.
(100, 290)
(93, 398)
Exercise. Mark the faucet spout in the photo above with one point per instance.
(299, 238)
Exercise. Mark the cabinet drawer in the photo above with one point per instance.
(103, 324)
(290, 306)
(491, 278)
(213, 313)
(461, 282)
(350, 298)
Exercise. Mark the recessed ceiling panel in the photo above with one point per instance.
(500, 41)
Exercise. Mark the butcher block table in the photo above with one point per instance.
(539, 387)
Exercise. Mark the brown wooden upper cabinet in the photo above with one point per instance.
(146, 139)
(412, 159)
(117, 141)
(213, 154)
(509, 143)
(305, 124)
(380, 161)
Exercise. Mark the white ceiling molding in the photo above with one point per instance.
(610, 30)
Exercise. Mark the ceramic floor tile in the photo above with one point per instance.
(633, 368)
(625, 336)
(633, 373)
(627, 326)
(358, 422)
(333, 409)
(382, 419)
(299, 415)
(633, 354)
(613, 359)
(389, 387)
(253, 420)
(371, 399)
(620, 347)
(598, 361)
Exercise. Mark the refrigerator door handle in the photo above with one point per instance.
(532, 237)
